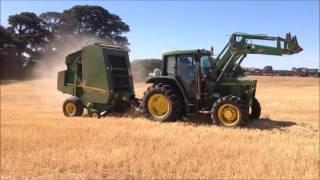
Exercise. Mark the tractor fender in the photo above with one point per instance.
(170, 81)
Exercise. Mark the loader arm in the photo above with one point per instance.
(240, 44)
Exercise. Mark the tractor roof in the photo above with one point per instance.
(180, 52)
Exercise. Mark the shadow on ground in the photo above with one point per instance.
(269, 124)
(205, 120)
(262, 124)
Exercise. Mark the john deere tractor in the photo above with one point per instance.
(99, 77)
(193, 81)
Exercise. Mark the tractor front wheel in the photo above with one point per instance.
(229, 111)
(72, 107)
(255, 109)
(162, 103)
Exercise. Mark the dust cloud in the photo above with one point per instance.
(45, 70)
(51, 63)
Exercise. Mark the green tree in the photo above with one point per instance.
(96, 21)
(20, 43)
(10, 65)
(51, 21)
(5, 37)
(28, 33)
(30, 37)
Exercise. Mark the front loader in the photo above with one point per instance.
(193, 81)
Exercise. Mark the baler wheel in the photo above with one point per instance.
(229, 111)
(95, 114)
(72, 107)
(161, 102)
(255, 109)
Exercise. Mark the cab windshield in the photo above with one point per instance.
(206, 63)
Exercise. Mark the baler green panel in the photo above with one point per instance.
(236, 81)
(68, 90)
(61, 82)
(61, 85)
(95, 82)
(71, 57)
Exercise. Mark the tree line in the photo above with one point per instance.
(29, 37)
(295, 71)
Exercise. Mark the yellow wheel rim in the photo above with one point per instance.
(158, 105)
(94, 115)
(71, 108)
(228, 114)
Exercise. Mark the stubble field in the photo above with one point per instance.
(37, 141)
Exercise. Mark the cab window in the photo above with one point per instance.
(205, 63)
(185, 66)
(171, 65)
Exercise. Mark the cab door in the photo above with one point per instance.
(186, 74)
(206, 77)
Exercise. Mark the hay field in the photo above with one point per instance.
(38, 142)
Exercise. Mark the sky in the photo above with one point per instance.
(159, 26)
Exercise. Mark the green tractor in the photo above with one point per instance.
(100, 79)
(193, 81)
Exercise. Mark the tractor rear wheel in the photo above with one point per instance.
(72, 107)
(161, 102)
(229, 111)
(255, 109)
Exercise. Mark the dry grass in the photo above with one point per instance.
(37, 141)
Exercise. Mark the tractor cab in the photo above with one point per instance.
(190, 73)
(190, 68)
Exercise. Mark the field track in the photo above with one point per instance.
(37, 141)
